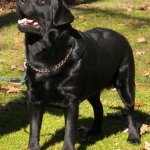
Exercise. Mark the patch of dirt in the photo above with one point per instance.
(7, 4)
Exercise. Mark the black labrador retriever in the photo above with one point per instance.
(66, 66)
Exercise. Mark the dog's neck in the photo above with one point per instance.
(41, 54)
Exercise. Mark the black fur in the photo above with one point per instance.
(100, 58)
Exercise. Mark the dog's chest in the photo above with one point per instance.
(56, 89)
(52, 92)
(63, 86)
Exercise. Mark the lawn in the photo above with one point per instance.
(130, 18)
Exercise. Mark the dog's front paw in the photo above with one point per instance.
(134, 139)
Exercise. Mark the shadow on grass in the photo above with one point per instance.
(11, 17)
(15, 117)
(8, 19)
(118, 124)
(114, 13)
(77, 2)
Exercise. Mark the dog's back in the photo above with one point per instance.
(106, 51)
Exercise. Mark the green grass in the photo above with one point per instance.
(14, 127)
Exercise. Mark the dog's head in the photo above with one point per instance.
(39, 16)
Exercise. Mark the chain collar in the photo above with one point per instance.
(51, 69)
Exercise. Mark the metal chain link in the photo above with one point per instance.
(53, 68)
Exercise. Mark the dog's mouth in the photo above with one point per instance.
(29, 23)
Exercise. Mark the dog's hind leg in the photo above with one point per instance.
(126, 88)
(85, 132)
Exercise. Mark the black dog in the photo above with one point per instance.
(65, 66)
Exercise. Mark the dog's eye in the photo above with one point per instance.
(42, 2)
(22, 1)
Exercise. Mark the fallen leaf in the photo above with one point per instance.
(10, 89)
(142, 39)
(131, 22)
(140, 53)
(13, 67)
(79, 17)
(86, 5)
(18, 40)
(18, 44)
(129, 10)
(143, 7)
(139, 104)
(19, 68)
(125, 131)
(148, 8)
(114, 89)
(146, 74)
(146, 146)
(144, 129)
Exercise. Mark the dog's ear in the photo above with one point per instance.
(61, 13)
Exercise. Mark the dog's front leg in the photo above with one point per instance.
(36, 114)
(71, 117)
